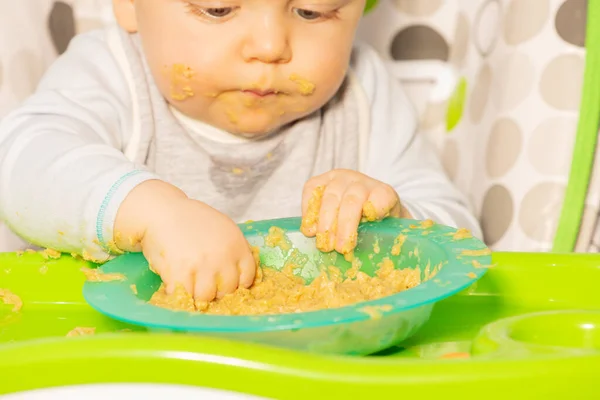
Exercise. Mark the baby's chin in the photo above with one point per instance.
(255, 127)
(251, 131)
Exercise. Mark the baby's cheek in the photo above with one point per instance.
(305, 86)
(327, 80)
(180, 78)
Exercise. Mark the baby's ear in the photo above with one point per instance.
(125, 14)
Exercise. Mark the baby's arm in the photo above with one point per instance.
(63, 170)
(401, 157)
(66, 184)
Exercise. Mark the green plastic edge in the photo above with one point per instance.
(456, 105)
(369, 6)
(584, 150)
(282, 374)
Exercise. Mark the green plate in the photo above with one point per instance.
(384, 321)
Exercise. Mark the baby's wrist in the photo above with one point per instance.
(143, 206)
(404, 213)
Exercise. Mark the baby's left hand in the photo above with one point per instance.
(333, 204)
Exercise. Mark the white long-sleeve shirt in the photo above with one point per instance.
(71, 153)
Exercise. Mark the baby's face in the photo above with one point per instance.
(245, 66)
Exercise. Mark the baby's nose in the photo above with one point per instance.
(268, 42)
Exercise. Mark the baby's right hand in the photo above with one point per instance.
(190, 243)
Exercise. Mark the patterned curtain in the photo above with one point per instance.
(497, 84)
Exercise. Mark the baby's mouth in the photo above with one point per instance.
(261, 92)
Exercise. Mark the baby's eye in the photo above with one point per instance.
(308, 15)
(211, 13)
(218, 12)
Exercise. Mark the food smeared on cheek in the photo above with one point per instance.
(232, 117)
(305, 86)
(181, 80)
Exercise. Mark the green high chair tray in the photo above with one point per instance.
(529, 328)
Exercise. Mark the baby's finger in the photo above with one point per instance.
(311, 204)
(383, 202)
(349, 217)
(309, 188)
(328, 215)
(156, 260)
(174, 277)
(205, 287)
(247, 270)
(228, 279)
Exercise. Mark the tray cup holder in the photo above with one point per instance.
(544, 332)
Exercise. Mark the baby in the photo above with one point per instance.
(159, 134)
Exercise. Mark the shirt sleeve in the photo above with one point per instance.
(399, 156)
(63, 173)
